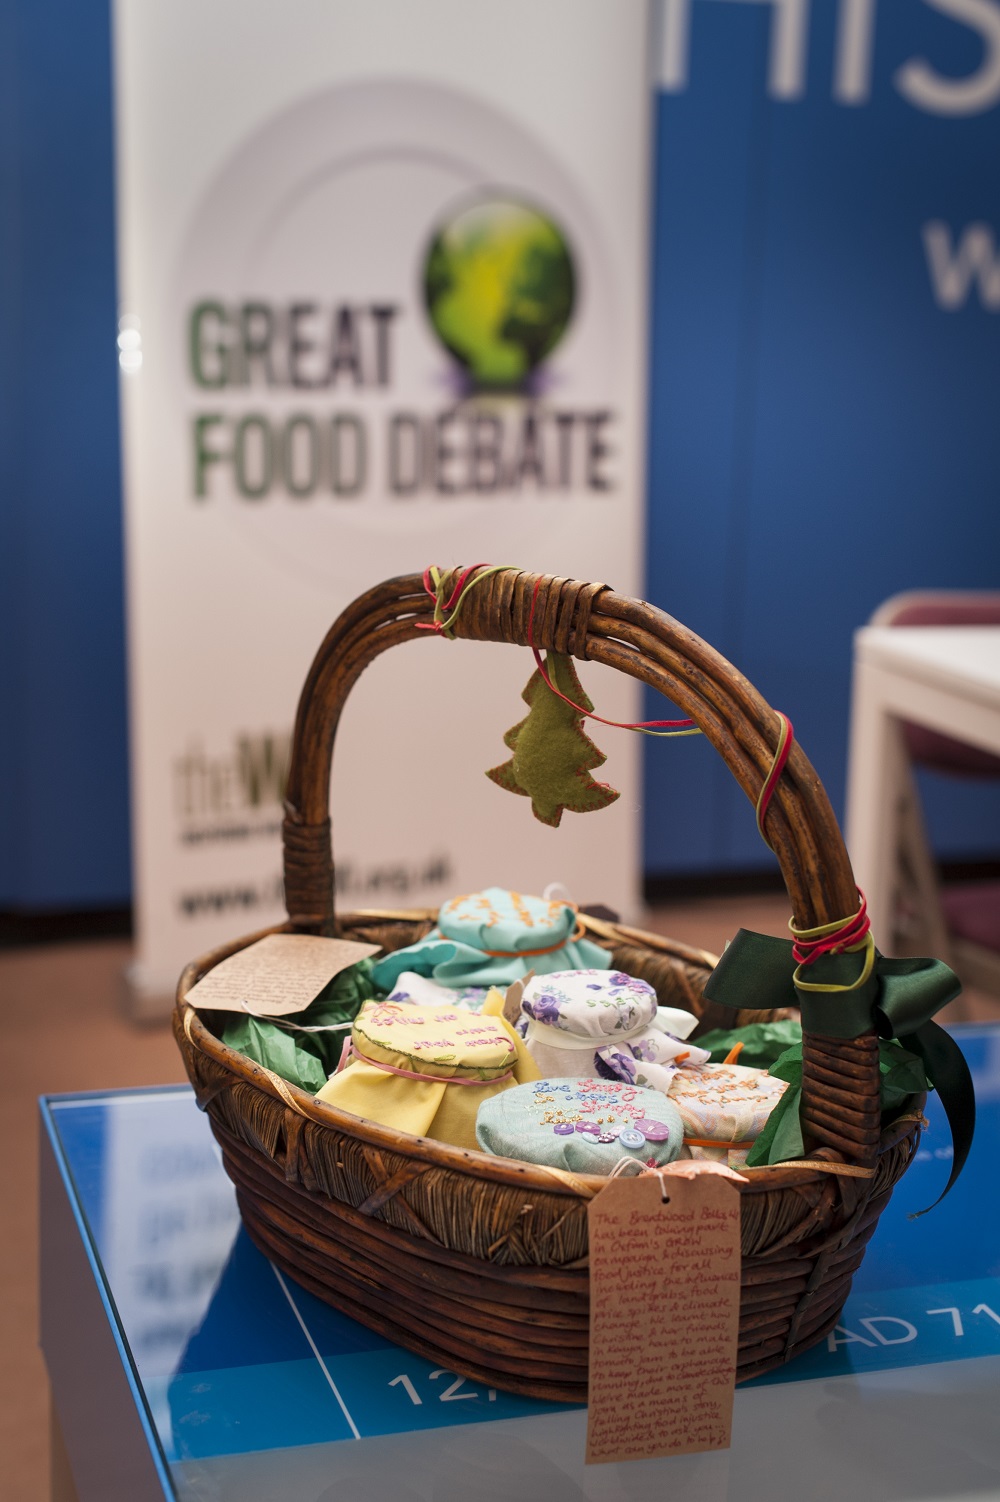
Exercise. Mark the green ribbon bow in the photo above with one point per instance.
(844, 995)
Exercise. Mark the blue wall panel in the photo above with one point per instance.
(64, 769)
(857, 451)
(705, 255)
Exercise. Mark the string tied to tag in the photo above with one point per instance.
(447, 609)
(287, 1024)
(664, 728)
(624, 1164)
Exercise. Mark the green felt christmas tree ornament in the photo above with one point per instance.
(553, 756)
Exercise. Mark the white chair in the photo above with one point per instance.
(959, 924)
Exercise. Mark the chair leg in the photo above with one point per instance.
(918, 914)
(920, 926)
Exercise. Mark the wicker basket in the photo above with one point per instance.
(480, 1263)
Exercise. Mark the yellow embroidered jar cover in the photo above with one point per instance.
(427, 1069)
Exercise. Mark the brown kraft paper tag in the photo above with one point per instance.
(280, 974)
(664, 1313)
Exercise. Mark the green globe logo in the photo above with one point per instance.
(499, 289)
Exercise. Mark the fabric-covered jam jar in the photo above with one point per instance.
(488, 938)
(426, 1070)
(584, 1125)
(723, 1108)
(606, 1024)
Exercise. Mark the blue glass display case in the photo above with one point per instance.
(184, 1365)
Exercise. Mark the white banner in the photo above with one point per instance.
(382, 287)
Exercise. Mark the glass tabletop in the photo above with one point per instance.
(253, 1384)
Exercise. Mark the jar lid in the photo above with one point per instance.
(724, 1102)
(585, 1125)
(504, 923)
(589, 1003)
(440, 1041)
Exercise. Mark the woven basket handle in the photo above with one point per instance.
(591, 622)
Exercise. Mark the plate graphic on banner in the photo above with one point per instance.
(384, 303)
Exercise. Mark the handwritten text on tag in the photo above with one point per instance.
(664, 1313)
(279, 975)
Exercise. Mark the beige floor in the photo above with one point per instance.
(64, 1030)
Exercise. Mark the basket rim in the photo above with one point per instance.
(464, 1161)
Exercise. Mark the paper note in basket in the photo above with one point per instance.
(279, 975)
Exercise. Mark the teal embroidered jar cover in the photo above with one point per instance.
(492, 938)
(583, 1125)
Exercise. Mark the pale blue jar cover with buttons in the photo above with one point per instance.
(584, 1125)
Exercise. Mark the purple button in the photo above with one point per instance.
(653, 1131)
(563, 1128)
(587, 1126)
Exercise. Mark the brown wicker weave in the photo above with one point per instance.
(480, 1263)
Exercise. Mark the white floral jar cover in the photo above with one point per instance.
(604, 1024)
